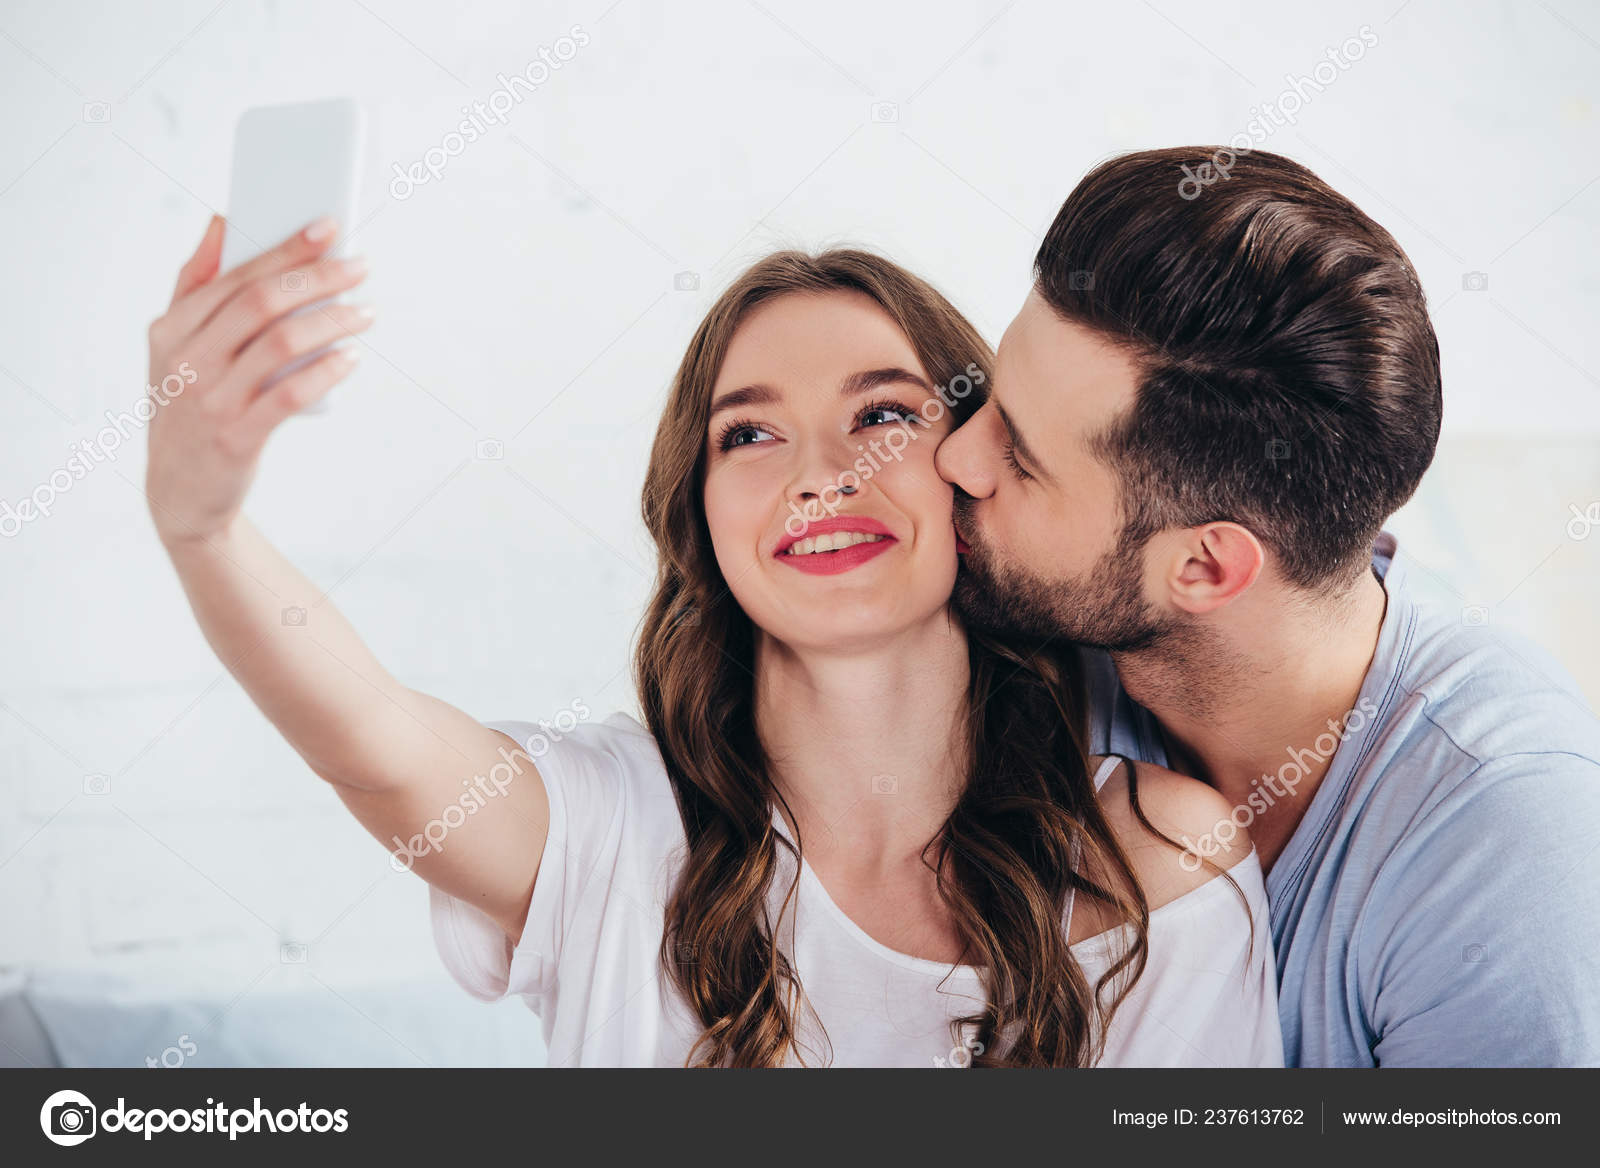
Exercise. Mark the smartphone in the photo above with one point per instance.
(292, 164)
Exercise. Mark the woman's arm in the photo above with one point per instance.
(396, 757)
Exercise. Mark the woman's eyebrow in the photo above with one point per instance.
(853, 385)
(749, 395)
(870, 379)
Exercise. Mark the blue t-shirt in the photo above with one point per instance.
(1439, 903)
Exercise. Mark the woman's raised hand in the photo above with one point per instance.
(221, 338)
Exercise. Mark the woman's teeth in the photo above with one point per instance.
(831, 542)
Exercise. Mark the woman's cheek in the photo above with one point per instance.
(737, 515)
(721, 518)
(919, 489)
(915, 471)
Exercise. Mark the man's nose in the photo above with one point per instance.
(965, 459)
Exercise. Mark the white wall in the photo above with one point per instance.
(528, 296)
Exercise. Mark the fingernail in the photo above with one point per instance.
(353, 266)
(352, 356)
(364, 313)
(321, 231)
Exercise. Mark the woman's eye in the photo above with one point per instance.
(742, 434)
(883, 415)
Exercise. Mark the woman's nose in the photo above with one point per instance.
(824, 473)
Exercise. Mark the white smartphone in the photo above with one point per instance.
(292, 164)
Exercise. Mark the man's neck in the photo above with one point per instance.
(1257, 707)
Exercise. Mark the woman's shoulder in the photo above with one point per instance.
(1189, 813)
(594, 768)
(576, 731)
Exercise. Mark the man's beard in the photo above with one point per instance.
(1105, 608)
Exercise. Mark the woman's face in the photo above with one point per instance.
(820, 392)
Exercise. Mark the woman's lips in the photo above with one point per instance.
(831, 563)
(962, 547)
(842, 560)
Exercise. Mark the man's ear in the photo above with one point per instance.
(1210, 565)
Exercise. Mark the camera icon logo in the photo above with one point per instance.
(884, 112)
(1080, 281)
(97, 784)
(1474, 615)
(686, 282)
(294, 616)
(1475, 282)
(67, 1118)
(292, 953)
(96, 111)
(490, 450)
(885, 784)
(292, 281)
(1277, 449)
(1475, 954)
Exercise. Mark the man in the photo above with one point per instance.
(1209, 404)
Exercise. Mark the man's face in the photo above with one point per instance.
(1041, 513)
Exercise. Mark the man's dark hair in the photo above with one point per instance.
(1289, 373)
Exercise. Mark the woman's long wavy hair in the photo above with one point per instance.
(1027, 830)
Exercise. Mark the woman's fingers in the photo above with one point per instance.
(244, 438)
(286, 341)
(255, 306)
(202, 265)
(300, 249)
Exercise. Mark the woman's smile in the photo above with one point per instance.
(838, 544)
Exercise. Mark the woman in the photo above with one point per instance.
(854, 833)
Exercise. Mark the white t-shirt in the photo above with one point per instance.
(588, 962)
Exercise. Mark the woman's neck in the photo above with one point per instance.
(866, 745)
